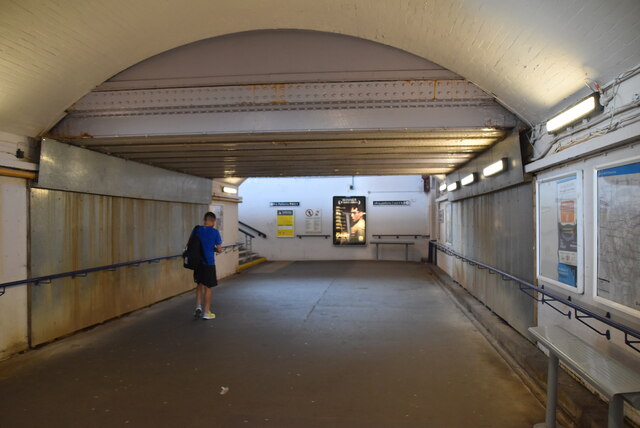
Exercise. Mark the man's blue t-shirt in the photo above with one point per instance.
(209, 238)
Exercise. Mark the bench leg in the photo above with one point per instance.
(377, 248)
(406, 252)
(552, 393)
(616, 412)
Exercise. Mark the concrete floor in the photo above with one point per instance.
(305, 344)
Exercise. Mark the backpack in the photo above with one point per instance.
(192, 254)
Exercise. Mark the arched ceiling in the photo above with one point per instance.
(275, 56)
(288, 103)
(533, 56)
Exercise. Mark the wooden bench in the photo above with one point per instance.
(610, 377)
(406, 246)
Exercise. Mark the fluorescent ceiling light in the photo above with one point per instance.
(231, 190)
(453, 186)
(471, 178)
(495, 167)
(443, 186)
(578, 111)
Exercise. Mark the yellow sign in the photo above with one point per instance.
(285, 224)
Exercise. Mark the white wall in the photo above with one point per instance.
(317, 193)
(13, 265)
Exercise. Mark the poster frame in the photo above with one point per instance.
(596, 298)
(363, 243)
(579, 288)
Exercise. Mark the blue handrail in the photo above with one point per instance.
(580, 313)
(84, 272)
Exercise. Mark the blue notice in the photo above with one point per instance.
(567, 274)
(632, 168)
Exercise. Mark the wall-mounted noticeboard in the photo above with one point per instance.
(313, 220)
(617, 234)
(349, 220)
(285, 223)
(559, 238)
(218, 210)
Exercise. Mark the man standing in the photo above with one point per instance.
(205, 274)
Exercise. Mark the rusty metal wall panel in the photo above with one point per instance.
(72, 231)
(496, 229)
(74, 169)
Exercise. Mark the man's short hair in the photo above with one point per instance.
(209, 216)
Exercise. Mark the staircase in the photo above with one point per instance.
(248, 257)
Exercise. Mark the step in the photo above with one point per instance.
(250, 264)
(248, 257)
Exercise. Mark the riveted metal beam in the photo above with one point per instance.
(434, 134)
(391, 127)
(288, 156)
(308, 172)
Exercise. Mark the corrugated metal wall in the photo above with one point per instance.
(497, 229)
(72, 231)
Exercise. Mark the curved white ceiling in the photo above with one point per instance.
(531, 55)
(275, 56)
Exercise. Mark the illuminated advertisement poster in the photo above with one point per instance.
(618, 228)
(285, 224)
(567, 231)
(349, 220)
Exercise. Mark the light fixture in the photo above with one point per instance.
(471, 178)
(443, 186)
(495, 167)
(572, 114)
(231, 190)
(453, 186)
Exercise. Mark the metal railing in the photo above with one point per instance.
(246, 233)
(248, 239)
(81, 273)
(231, 247)
(313, 236)
(402, 235)
(260, 234)
(545, 297)
(46, 279)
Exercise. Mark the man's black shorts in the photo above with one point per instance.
(205, 275)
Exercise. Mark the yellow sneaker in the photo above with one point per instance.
(208, 315)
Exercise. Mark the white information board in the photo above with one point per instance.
(313, 221)
(218, 210)
(618, 236)
(559, 237)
